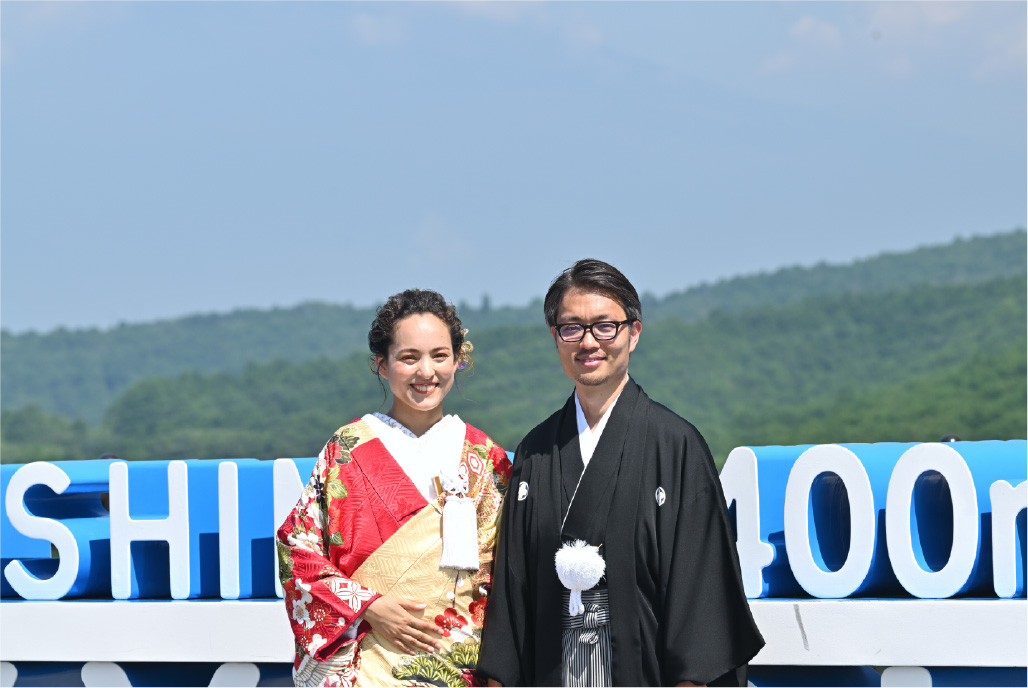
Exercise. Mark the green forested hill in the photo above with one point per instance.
(960, 262)
(981, 399)
(909, 364)
(78, 374)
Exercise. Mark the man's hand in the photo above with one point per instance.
(391, 617)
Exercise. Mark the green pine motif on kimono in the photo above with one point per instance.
(447, 668)
(430, 668)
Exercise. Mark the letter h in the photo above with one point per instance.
(125, 530)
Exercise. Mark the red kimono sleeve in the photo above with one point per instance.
(321, 602)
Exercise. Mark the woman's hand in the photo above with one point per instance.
(391, 617)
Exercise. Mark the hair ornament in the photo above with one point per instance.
(464, 360)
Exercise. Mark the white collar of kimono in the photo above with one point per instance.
(587, 437)
(422, 458)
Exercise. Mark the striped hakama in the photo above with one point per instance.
(585, 651)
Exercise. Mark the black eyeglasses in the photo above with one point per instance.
(603, 331)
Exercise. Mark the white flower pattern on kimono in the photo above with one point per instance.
(300, 612)
(460, 634)
(316, 643)
(315, 513)
(308, 541)
(352, 594)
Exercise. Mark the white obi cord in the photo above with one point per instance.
(460, 525)
(579, 567)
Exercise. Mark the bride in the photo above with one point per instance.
(386, 560)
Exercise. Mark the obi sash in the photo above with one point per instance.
(407, 566)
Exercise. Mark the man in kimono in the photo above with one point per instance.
(616, 563)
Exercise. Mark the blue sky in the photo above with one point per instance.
(161, 159)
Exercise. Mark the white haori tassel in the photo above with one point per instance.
(460, 534)
(579, 567)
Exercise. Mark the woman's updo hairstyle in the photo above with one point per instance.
(411, 302)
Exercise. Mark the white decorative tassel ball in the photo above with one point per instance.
(454, 484)
(579, 567)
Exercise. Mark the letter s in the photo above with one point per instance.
(24, 583)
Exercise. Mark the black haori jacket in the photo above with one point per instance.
(652, 500)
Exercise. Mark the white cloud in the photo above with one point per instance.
(582, 34)
(572, 28)
(810, 37)
(777, 63)
(374, 30)
(942, 12)
(979, 40)
(42, 22)
(1004, 50)
(907, 17)
(899, 65)
(504, 12)
(810, 29)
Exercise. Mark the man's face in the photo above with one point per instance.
(589, 362)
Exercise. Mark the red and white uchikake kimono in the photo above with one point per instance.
(362, 528)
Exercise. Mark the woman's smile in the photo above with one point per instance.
(425, 387)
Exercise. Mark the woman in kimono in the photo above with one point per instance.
(386, 560)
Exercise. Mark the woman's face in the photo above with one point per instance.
(420, 365)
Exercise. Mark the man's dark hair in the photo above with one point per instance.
(593, 276)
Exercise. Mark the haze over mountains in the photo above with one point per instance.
(904, 347)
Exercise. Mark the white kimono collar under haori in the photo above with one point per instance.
(587, 437)
(579, 564)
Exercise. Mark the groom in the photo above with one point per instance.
(617, 484)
